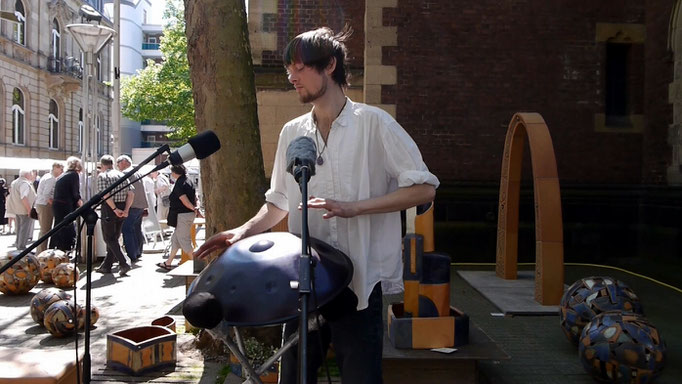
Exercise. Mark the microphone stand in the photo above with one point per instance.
(305, 272)
(87, 211)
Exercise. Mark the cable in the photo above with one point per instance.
(678, 290)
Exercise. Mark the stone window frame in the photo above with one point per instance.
(623, 34)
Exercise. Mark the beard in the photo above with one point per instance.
(310, 97)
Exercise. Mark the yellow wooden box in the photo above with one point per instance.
(139, 350)
(427, 332)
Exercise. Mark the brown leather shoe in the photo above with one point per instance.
(124, 270)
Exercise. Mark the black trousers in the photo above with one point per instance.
(112, 226)
(358, 339)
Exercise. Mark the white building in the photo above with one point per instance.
(141, 31)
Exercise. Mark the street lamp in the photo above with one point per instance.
(91, 37)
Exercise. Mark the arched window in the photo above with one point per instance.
(53, 125)
(18, 117)
(81, 130)
(55, 45)
(98, 136)
(20, 27)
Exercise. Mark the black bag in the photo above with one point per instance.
(165, 201)
(172, 218)
(33, 214)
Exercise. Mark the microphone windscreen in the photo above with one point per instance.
(301, 151)
(204, 144)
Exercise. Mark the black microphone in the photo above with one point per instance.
(301, 152)
(200, 146)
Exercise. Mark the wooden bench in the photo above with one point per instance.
(28, 366)
(415, 366)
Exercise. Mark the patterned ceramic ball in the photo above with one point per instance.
(60, 318)
(22, 276)
(94, 316)
(49, 259)
(65, 275)
(43, 299)
(622, 347)
(591, 296)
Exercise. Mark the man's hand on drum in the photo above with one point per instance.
(219, 242)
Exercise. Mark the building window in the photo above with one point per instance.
(56, 47)
(53, 125)
(616, 84)
(18, 118)
(20, 27)
(81, 131)
(98, 69)
(98, 136)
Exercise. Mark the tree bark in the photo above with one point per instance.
(221, 70)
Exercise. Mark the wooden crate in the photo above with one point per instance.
(139, 350)
(427, 332)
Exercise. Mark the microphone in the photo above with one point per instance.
(200, 146)
(301, 153)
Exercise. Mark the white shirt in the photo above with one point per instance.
(368, 155)
(45, 189)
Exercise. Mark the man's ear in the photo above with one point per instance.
(331, 66)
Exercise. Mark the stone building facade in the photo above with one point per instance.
(41, 97)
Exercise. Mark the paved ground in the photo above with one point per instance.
(124, 302)
(538, 349)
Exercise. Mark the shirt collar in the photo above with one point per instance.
(341, 120)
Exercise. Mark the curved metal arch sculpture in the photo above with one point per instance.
(549, 242)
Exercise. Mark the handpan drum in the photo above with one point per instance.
(249, 284)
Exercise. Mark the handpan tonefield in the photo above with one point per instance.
(250, 283)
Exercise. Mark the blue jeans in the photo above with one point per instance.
(358, 339)
(132, 233)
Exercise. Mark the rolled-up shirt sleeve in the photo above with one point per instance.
(277, 194)
(403, 159)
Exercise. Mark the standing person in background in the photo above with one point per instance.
(43, 204)
(162, 188)
(183, 210)
(133, 239)
(114, 211)
(67, 198)
(3, 204)
(21, 199)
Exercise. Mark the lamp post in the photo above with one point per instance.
(91, 37)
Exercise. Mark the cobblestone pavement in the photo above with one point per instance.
(538, 349)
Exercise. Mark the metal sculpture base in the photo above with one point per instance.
(237, 348)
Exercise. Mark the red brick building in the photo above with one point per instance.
(453, 73)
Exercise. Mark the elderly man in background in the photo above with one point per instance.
(43, 203)
(21, 199)
(114, 211)
(133, 239)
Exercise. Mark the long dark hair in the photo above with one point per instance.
(317, 47)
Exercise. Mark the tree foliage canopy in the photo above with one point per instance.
(163, 91)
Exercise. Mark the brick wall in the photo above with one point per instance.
(464, 68)
(659, 74)
(297, 16)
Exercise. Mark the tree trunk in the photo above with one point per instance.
(221, 70)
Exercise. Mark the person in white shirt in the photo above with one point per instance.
(21, 199)
(162, 188)
(43, 202)
(368, 170)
